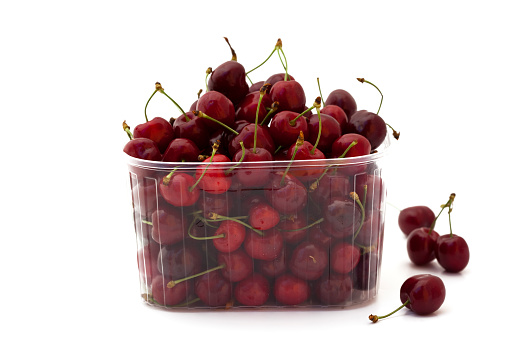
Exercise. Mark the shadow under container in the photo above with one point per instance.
(276, 234)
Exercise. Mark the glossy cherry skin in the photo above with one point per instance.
(246, 135)
(252, 291)
(415, 217)
(229, 78)
(246, 110)
(213, 289)
(179, 261)
(143, 148)
(263, 217)
(331, 131)
(308, 261)
(369, 125)
(421, 246)
(331, 185)
(288, 197)
(343, 99)
(344, 257)
(306, 152)
(339, 146)
(170, 296)
(333, 288)
(289, 94)
(238, 265)
(342, 217)
(256, 86)
(426, 293)
(253, 176)
(193, 129)
(158, 129)
(181, 149)
(278, 77)
(321, 238)
(214, 180)
(290, 225)
(338, 114)
(290, 290)
(264, 247)
(177, 190)
(283, 132)
(274, 268)
(234, 235)
(216, 106)
(452, 252)
(168, 225)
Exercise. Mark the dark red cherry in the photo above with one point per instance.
(339, 146)
(306, 151)
(234, 235)
(415, 217)
(344, 257)
(290, 290)
(338, 114)
(344, 100)
(252, 291)
(158, 129)
(193, 129)
(308, 261)
(369, 125)
(253, 175)
(374, 190)
(264, 247)
(263, 217)
(213, 289)
(246, 110)
(181, 149)
(342, 217)
(452, 252)
(217, 106)
(369, 232)
(237, 265)
(321, 238)
(291, 226)
(145, 197)
(333, 288)
(169, 296)
(422, 293)
(289, 94)
(178, 261)
(222, 204)
(365, 274)
(263, 139)
(143, 148)
(214, 180)
(169, 225)
(421, 245)
(178, 189)
(331, 131)
(286, 193)
(277, 78)
(273, 268)
(331, 185)
(256, 86)
(147, 261)
(286, 126)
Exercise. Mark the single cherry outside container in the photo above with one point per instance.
(305, 234)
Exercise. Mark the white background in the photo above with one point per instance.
(72, 71)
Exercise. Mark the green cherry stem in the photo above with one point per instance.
(293, 121)
(172, 283)
(167, 178)
(228, 171)
(263, 91)
(317, 105)
(146, 105)
(207, 73)
(319, 89)
(215, 147)
(303, 228)
(278, 44)
(448, 204)
(161, 89)
(222, 235)
(286, 64)
(273, 108)
(355, 197)
(362, 80)
(374, 318)
(127, 129)
(216, 217)
(200, 114)
(298, 143)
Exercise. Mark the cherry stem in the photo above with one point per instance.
(234, 55)
(216, 217)
(200, 114)
(228, 171)
(275, 48)
(374, 318)
(298, 143)
(286, 64)
(366, 81)
(167, 178)
(172, 283)
(155, 91)
(263, 91)
(207, 73)
(394, 133)
(303, 228)
(273, 108)
(447, 204)
(149, 298)
(319, 89)
(161, 89)
(365, 196)
(248, 78)
(222, 235)
(215, 147)
(147, 222)
(293, 121)
(317, 105)
(355, 197)
(127, 129)
(199, 93)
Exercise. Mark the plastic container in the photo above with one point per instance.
(290, 234)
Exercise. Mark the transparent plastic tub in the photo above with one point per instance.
(259, 235)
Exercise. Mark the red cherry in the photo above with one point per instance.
(333, 288)
(168, 225)
(290, 290)
(293, 228)
(158, 129)
(286, 193)
(263, 217)
(237, 265)
(284, 129)
(452, 252)
(181, 149)
(264, 247)
(306, 151)
(213, 289)
(308, 261)
(331, 131)
(234, 235)
(421, 244)
(177, 189)
(344, 100)
(338, 114)
(273, 268)
(340, 145)
(246, 110)
(263, 139)
(191, 127)
(141, 148)
(369, 125)
(289, 94)
(415, 217)
(169, 296)
(212, 177)
(217, 106)
(178, 261)
(252, 291)
(344, 257)
(273, 79)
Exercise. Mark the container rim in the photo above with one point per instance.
(381, 151)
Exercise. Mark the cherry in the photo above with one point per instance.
(343, 99)
(451, 250)
(333, 288)
(362, 146)
(247, 108)
(213, 289)
(364, 275)
(237, 265)
(275, 78)
(344, 257)
(169, 296)
(273, 268)
(252, 291)
(289, 94)
(221, 204)
(145, 197)
(247, 136)
(217, 106)
(422, 293)
(181, 149)
(308, 261)
(414, 217)
(178, 189)
(303, 150)
(264, 247)
(147, 261)
(212, 177)
(293, 228)
(168, 225)
(193, 105)
(263, 217)
(178, 261)
(286, 126)
(234, 235)
(330, 185)
(254, 88)
(189, 126)
(343, 216)
(370, 188)
(158, 129)
(286, 193)
(229, 79)
(321, 238)
(338, 114)
(290, 290)
(367, 235)
(330, 131)
(141, 148)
